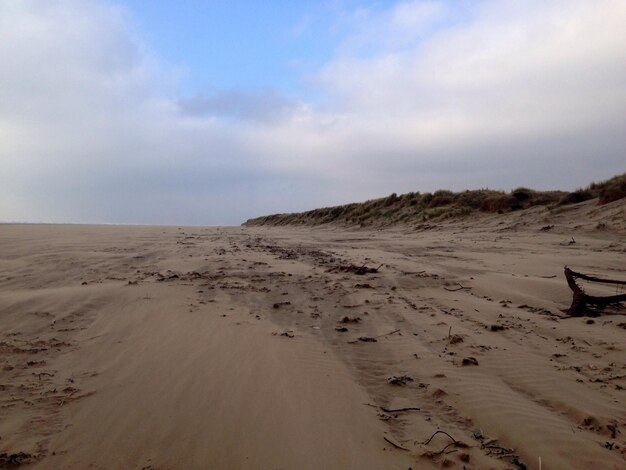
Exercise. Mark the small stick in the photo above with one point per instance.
(444, 449)
(457, 289)
(379, 336)
(397, 410)
(438, 432)
(395, 445)
(387, 334)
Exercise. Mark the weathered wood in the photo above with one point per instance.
(593, 278)
(581, 300)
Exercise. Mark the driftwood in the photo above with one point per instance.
(387, 334)
(581, 300)
(398, 410)
(372, 339)
(352, 268)
(439, 432)
(454, 443)
(394, 444)
(454, 289)
(14, 460)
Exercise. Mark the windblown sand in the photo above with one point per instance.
(179, 348)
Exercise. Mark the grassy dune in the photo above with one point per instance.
(416, 207)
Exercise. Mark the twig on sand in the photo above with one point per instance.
(371, 339)
(395, 445)
(398, 410)
(392, 410)
(387, 334)
(444, 449)
(453, 443)
(458, 288)
(439, 432)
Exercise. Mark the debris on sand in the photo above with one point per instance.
(354, 269)
(367, 339)
(399, 380)
(591, 305)
(455, 339)
(394, 444)
(14, 460)
(280, 304)
(350, 320)
(286, 333)
(469, 361)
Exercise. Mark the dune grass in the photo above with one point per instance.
(443, 204)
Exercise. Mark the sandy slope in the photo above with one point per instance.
(155, 348)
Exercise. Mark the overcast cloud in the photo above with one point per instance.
(421, 97)
(257, 105)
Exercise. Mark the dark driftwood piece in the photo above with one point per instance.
(394, 444)
(398, 410)
(372, 339)
(352, 268)
(439, 432)
(582, 300)
(453, 443)
(458, 288)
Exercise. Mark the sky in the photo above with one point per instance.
(211, 112)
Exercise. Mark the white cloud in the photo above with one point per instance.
(419, 96)
(367, 31)
(522, 73)
(87, 135)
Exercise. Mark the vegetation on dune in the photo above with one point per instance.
(443, 204)
(606, 191)
(610, 190)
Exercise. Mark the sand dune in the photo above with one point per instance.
(167, 348)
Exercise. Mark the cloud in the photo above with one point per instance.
(258, 105)
(419, 96)
(522, 80)
(368, 31)
(88, 135)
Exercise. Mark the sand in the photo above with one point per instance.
(167, 348)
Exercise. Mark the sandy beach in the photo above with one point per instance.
(327, 235)
(263, 348)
